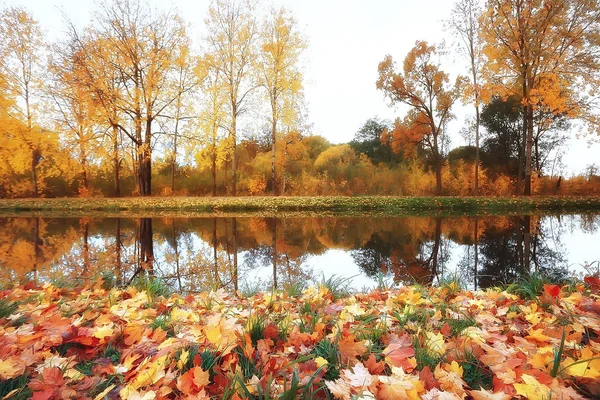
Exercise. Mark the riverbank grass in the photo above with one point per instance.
(380, 204)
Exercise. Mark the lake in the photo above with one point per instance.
(251, 253)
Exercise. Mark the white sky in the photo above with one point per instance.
(347, 40)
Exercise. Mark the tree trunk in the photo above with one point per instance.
(214, 171)
(477, 122)
(37, 249)
(146, 246)
(116, 163)
(438, 175)
(273, 156)
(528, 150)
(34, 178)
(436, 247)
(234, 156)
(86, 248)
(118, 266)
(176, 248)
(215, 254)
(235, 250)
(527, 242)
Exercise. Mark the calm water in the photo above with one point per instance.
(194, 254)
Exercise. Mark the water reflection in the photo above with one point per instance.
(199, 253)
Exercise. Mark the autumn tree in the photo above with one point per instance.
(212, 115)
(231, 36)
(21, 50)
(281, 46)
(424, 87)
(74, 109)
(464, 22)
(144, 46)
(180, 113)
(546, 52)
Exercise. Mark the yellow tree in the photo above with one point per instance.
(21, 44)
(212, 112)
(94, 61)
(546, 52)
(230, 39)
(281, 44)
(75, 112)
(464, 22)
(427, 89)
(144, 46)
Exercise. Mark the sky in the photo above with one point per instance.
(347, 40)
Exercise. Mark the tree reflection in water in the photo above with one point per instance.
(209, 253)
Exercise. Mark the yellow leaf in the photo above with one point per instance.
(11, 368)
(435, 343)
(532, 389)
(321, 361)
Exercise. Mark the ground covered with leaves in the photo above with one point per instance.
(413, 342)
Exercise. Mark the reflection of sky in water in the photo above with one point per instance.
(560, 245)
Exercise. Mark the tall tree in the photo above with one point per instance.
(21, 45)
(281, 45)
(145, 45)
(545, 51)
(425, 87)
(212, 112)
(231, 32)
(464, 22)
(75, 113)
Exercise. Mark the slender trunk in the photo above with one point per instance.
(116, 163)
(34, 177)
(37, 250)
(86, 248)
(528, 150)
(214, 171)
(436, 246)
(234, 155)
(477, 122)
(527, 243)
(273, 156)
(235, 250)
(146, 246)
(176, 248)
(147, 159)
(215, 254)
(174, 156)
(118, 265)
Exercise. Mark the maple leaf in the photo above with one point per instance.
(349, 348)
(552, 290)
(11, 368)
(374, 367)
(532, 389)
(435, 343)
(485, 395)
(193, 381)
(48, 384)
(359, 376)
(340, 388)
(398, 355)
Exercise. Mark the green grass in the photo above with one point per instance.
(388, 205)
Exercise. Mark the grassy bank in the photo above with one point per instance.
(319, 205)
(413, 342)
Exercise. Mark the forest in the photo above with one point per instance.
(133, 104)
